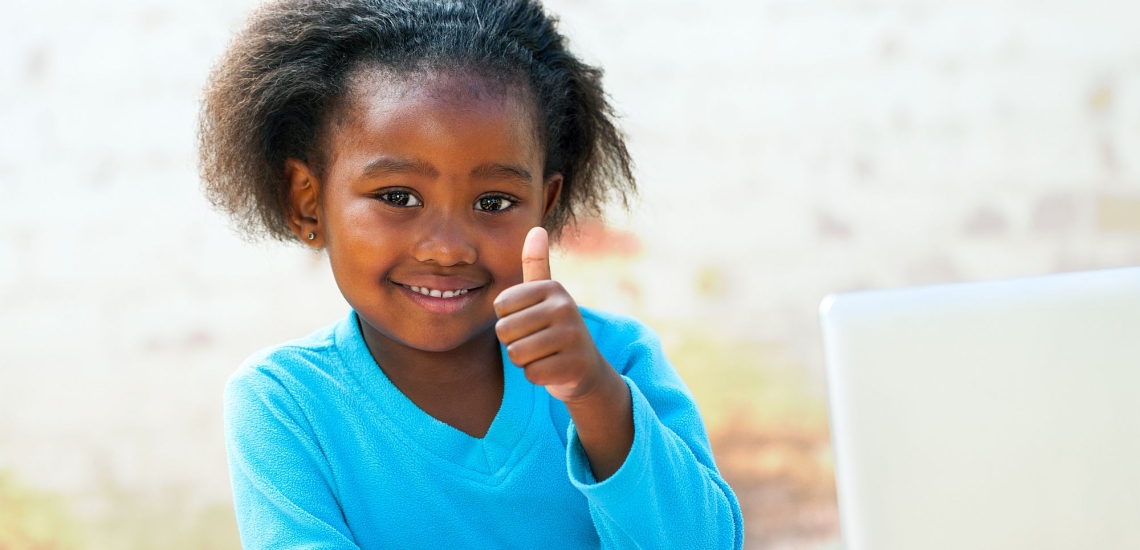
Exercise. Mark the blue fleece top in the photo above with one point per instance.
(325, 452)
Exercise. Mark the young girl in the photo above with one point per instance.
(466, 401)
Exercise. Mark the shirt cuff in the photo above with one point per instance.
(632, 470)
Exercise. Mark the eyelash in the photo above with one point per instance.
(513, 202)
(408, 196)
(386, 197)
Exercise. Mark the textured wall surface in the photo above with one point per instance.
(785, 149)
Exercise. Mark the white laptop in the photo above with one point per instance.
(993, 415)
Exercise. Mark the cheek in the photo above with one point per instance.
(503, 256)
(354, 219)
(359, 240)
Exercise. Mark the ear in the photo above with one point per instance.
(551, 190)
(303, 210)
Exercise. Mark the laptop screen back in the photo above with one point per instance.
(994, 415)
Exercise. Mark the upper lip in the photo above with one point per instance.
(436, 282)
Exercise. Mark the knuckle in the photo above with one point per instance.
(514, 354)
(502, 328)
(564, 307)
(533, 376)
(503, 300)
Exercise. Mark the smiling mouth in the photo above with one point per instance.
(436, 293)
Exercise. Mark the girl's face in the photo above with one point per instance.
(430, 186)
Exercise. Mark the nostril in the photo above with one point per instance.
(446, 253)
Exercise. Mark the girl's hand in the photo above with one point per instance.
(546, 336)
(544, 332)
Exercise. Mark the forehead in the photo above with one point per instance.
(407, 112)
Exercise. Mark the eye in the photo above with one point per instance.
(400, 198)
(494, 203)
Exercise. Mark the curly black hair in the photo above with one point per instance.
(274, 90)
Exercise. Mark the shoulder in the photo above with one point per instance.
(620, 338)
(616, 329)
(278, 374)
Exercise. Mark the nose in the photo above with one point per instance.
(445, 240)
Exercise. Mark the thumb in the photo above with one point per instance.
(536, 256)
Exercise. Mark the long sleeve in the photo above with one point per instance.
(281, 483)
(668, 492)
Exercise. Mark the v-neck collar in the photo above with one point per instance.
(487, 455)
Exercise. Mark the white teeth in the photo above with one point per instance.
(437, 293)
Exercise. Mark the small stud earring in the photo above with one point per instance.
(312, 235)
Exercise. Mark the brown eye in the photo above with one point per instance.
(493, 203)
(400, 198)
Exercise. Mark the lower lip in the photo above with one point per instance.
(440, 305)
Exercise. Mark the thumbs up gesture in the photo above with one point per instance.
(545, 335)
(544, 332)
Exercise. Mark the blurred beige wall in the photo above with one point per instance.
(785, 149)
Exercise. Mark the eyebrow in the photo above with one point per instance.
(396, 165)
(492, 170)
(511, 172)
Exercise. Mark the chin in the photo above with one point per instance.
(440, 338)
(437, 344)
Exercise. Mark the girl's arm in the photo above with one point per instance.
(635, 424)
(668, 492)
(281, 482)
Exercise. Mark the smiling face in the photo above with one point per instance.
(430, 185)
